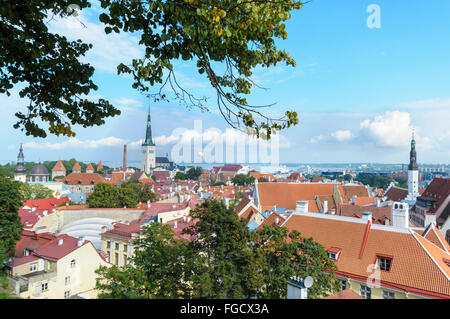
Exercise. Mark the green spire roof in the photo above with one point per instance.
(148, 136)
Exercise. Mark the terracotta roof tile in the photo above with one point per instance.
(76, 167)
(83, 179)
(59, 166)
(345, 294)
(412, 268)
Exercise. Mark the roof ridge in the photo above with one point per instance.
(429, 254)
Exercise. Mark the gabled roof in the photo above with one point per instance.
(434, 235)
(89, 167)
(285, 195)
(396, 194)
(53, 251)
(379, 214)
(59, 166)
(417, 264)
(31, 241)
(351, 190)
(83, 179)
(99, 166)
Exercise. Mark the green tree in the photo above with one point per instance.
(11, 199)
(237, 36)
(35, 191)
(262, 179)
(226, 266)
(238, 197)
(194, 173)
(348, 177)
(180, 176)
(287, 254)
(156, 271)
(104, 196)
(48, 69)
(243, 180)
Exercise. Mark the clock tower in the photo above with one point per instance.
(413, 172)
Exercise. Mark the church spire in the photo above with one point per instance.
(412, 155)
(148, 136)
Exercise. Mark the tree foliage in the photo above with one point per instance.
(11, 199)
(194, 173)
(128, 195)
(35, 191)
(223, 260)
(46, 67)
(243, 180)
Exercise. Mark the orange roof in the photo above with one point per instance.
(417, 264)
(83, 179)
(99, 166)
(90, 167)
(285, 195)
(59, 166)
(269, 177)
(76, 167)
(361, 201)
(271, 220)
(350, 190)
(345, 294)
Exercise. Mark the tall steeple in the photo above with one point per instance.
(412, 155)
(148, 148)
(20, 170)
(413, 172)
(148, 135)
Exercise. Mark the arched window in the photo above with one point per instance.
(73, 263)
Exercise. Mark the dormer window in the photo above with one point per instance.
(384, 262)
(334, 253)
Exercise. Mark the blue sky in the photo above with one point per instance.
(359, 91)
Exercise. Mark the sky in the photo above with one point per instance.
(368, 73)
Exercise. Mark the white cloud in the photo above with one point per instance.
(128, 102)
(76, 143)
(391, 129)
(317, 139)
(425, 104)
(342, 135)
(108, 51)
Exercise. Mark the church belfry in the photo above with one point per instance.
(148, 148)
(413, 172)
(20, 172)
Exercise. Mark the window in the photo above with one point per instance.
(388, 295)
(332, 256)
(33, 267)
(44, 287)
(365, 292)
(116, 261)
(384, 263)
(73, 263)
(117, 246)
(67, 280)
(108, 244)
(343, 284)
(125, 259)
(125, 248)
(67, 294)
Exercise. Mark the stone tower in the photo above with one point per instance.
(148, 149)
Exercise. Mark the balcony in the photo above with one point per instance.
(22, 283)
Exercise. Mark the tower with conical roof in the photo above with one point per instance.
(413, 172)
(20, 172)
(148, 148)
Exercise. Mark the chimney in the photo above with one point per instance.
(189, 219)
(377, 202)
(325, 206)
(367, 216)
(400, 215)
(124, 167)
(184, 218)
(80, 241)
(60, 241)
(354, 199)
(175, 224)
(275, 208)
(429, 218)
(301, 206)
(277, 220)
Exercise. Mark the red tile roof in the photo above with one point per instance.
(99, 166)
(379, 214)
(90, 167)
(53, 251)
(76, 167)
(417, 265)
(396, 194)
(345, 294)
(83, 179)
(31, 241)
(59, 166)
